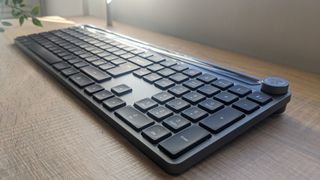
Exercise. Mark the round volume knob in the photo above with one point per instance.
(275, 85)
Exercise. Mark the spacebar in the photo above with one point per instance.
(44, 53)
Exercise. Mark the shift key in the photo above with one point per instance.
(180, 143)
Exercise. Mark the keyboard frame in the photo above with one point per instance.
(200, 152)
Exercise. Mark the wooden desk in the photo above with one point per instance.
(46, 132)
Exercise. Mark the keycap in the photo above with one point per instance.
(159, 113)
(102, 95)
(96, 74)
(127, 55)
(168, 63)
(145, 54)
(156, 133)
(211, 105)
(155, 67)
(239, 90)
(176, 123)
(177, 105)
(183, 141)
(74, 61)
(178, 90)
(163, 97)
(208, 90)
(120, 52)
(193, 84)
(221, 119)
(156, 58)
(92, 58)
(113, 103)
(178, 78)
(44, 53)
(164, 84)
(226, 98)
(69, 71)
(179, 67)
(259, 98)
(145, 104)
(246, 106)
(134, 118)
(110, 58)
(192, 72)
(140, 61)
(194, 114)
(193, 97)
(121, 90)
(137, 51)
(93, 89)
(81, 80)
(99, 62)
(122, 69)
(166, 72)
(118, 61)
(151, 78)
(222, 84)
(141, 72)
(81, 64)
(106, 66)
(61, 65)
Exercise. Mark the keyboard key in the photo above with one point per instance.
(134, 118)
(74, 61)
(178, 78)
(102, 95)
(114, 103)
(176, 123)
(156, 58)
(61, 65)
(122, 69)
(81, 80)
(168, 63)
(156, 133)
(179, 67)
(137, 51)
(145, 104)
(145, 54)
(121, 89)
(95, 73)
(177, 105)
(155, 67)
(193, 97)
(166, 72)
(127, 55)
(192, 72)
(92, 58)
(164, 84)
(211, 105)
(194, 114)
(206, 78)
(120, 52)
(246, 106)
(151, 78)
(178, 90)
(140, 61)
(46, 55)
(208, 90)
(222, 84)
(118, 61)
(141, 72)
(110, 58)
(259, 98)
(160, 113)
(163, 97)
(226, 98)
(221, 119)
(81, 64)
(185, 140)
(69, 71)
(99, 62)
(106, 66)
(93, 89)
(193, 84)
(239, 90)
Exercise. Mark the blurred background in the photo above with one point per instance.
(285, 32)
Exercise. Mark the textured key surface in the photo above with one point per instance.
(156, 133)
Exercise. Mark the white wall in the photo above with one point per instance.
(64, 7)
(282, 31)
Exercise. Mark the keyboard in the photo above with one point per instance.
(175, 108)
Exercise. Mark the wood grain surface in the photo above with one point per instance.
(47, 133)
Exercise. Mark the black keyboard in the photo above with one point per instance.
(175, 108)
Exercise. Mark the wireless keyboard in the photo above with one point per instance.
(175, 108)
